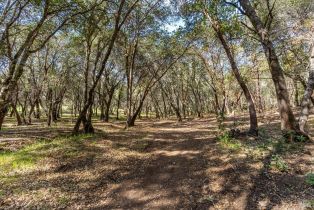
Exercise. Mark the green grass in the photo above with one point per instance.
(309, 204)
(27, 158)
(1, 193)
(310, 179)
(63, 200)
(259, 149)
(278, 163)
(228, 142)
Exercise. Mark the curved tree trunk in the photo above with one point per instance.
(131, 119)
(306, 101)
(17, 115)
(288, 122)
(252, 111)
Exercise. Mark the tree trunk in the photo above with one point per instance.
(114, 35)
(164, 105)
(252, 112)
(178, 114)
(102, 111)
(106, 119)
(49, 114)
(108, 104)
(88, 126)
(84, 116)
(3, 112)
(118, 104)
(17, 115)
(306, 102)
(288, 122)
(30, 113)
(5, 97)
(258, 90)
(296, 93)
(37, 113)
(131, 119)
(55, 112)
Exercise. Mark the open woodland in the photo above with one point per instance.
(157, 104)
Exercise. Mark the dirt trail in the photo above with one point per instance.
(173, 176)
(163, 165)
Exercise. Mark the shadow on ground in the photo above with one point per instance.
(162, 165)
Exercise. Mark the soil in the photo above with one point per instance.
(159, 165)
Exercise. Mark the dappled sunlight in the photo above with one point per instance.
(176, 153)
(157, 104)
(160, 165)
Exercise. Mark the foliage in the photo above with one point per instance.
(309, 204)
(310, 179)
(230, 143)
(277, 162)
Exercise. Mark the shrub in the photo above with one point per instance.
(278, 163)
(226, 140)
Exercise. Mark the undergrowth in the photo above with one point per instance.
(228, 142)
(25, 159)
(264, 145)
(278, 163)
(310, 179)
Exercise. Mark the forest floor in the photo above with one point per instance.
(154, 165)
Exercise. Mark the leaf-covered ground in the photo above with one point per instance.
(155, 165)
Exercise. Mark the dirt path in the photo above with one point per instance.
(161, 165)
(173, 176)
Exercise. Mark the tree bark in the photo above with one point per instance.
(108, 104)
(306, 101)
(296, 93)
(117, 27)
(118, 103)
(252, 111)
(50, 104)
(17, 115)
(288, 122)
(3, 112)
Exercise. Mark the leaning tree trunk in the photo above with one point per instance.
(117, 27)
(288, 122)
(178, 114)
(252, 111)
(131, 119)
(306, 101)
(17, 115)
